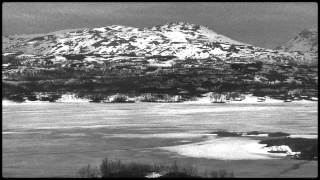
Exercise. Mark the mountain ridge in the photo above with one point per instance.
(182, 40)
(163, 34)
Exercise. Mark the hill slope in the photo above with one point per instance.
(182, 40)
(175, 58)
(305, 43)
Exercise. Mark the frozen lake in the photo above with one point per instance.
(56, 139)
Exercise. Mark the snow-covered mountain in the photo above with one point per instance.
(182, 40)
(175, 58)
(305, 43)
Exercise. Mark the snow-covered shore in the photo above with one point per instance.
(72, 98)
(65, 98)
(249, 99)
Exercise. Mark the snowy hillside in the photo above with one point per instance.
(305, 43)
(182, 40)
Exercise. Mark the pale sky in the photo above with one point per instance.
(262, 24)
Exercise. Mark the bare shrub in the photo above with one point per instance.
(89, 172)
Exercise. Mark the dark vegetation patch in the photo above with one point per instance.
(247, 68)
(74, 56)
(256, 132)
(16, 98)
(278, 134)
(227, 134)
(37, 39)
(131, 54)
(32, 97)
(193, 76)
(161, 58)
(111, 168)
(10, 59)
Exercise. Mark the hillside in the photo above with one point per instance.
(182, 40)
(305, 43)
(175, 59)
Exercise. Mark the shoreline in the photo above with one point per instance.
(249, 99)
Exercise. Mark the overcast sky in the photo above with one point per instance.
(262, 24)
